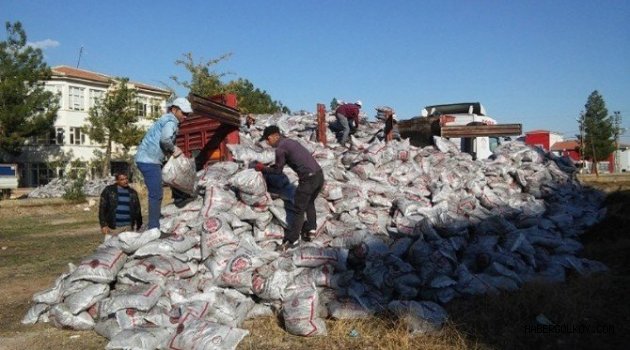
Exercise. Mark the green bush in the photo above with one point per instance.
(74, 192)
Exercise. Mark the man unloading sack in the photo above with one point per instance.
(157, 145)
(347, 114)
(311, 181)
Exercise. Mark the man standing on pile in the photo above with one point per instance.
(346, 115)
(311, 181)
(119, 208)
(157, 145)
(250, 121)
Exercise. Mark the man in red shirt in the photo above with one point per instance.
(346, 114)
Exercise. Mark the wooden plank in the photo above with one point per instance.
(321, 123)
(207, 108)
(459, 131)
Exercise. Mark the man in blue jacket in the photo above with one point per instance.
(157, 145)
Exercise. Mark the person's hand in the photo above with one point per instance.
(177, 152)
(259, 166)
(105, 230)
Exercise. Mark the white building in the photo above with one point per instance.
(48, 157)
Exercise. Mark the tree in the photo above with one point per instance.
(204, 81)
(599, 142)
(207, 82)
(26, 109)
(334, 104)
(252, 99)
(113, 120)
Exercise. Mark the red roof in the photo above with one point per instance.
(98, 77)
(80, 73)
(565, 145)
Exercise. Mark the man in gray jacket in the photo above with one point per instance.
(311, 181)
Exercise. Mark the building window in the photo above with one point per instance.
(141, 107)
(56, 90)
(76, 136)
(58, 136)
(155, 109)
(41, 174)
(96, 96)
(76, 98)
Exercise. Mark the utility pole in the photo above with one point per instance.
(80, 53)
(617, 132)
(582, 143)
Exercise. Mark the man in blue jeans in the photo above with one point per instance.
(156, 146)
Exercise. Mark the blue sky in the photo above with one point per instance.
(531, 62)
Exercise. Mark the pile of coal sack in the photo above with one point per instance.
(401, 230)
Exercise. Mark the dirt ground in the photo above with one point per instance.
(38, 238)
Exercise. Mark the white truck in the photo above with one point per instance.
(466, 124)
(623, 160)
(8, 178)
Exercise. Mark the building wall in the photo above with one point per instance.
(553, 138)
(67, 140)
(538, 139)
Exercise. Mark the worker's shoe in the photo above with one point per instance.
(286, 245)
(308, 235)
(182, 202)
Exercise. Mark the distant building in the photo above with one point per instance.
(79, 90)
(542, 138)
(553, 142)
(568, 148)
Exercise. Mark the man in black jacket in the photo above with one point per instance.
(119, 207)
(311, 181)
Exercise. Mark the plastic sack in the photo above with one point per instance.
(131, 241)
(316, 256)
(249, 181)
(299, 310)
(32, 315)
(348, 309)
(180, 173)
(61, 317)
(141, 297)
(140, 338)
(85, 298)
(422, 317)
(205, 335)
(100, 267)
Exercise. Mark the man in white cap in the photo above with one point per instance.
(157, 145)
(347, 113)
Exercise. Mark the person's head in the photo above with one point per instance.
(122, 180)
(359, 103)
(271, 134)
(180, 108)
(250, 119)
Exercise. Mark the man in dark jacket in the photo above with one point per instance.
(347, 114)
(119, 207)
(311, 181)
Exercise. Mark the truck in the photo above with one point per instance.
(214, 124)
(623, 160)
(8, 179)
(465, 124)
